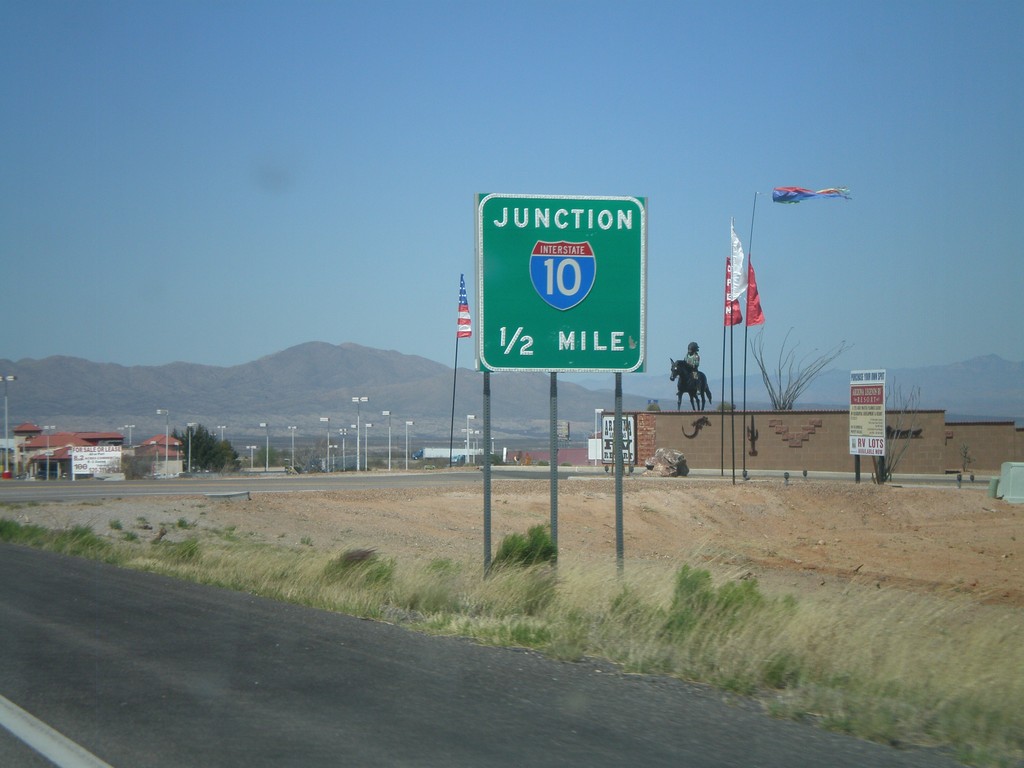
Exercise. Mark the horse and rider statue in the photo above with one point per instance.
(689, 380)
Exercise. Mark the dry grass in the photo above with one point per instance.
(884, 664)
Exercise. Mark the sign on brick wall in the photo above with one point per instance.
(628, 439)
(867, 413)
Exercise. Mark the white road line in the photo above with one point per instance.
(51, 744)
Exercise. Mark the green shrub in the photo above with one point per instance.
(81, 542)
(432, 592)
(16, 533)
(360, 567)
(532, 549)
(696, 600)
(182, 551)
(782, 670)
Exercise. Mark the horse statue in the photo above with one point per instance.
(695, 387)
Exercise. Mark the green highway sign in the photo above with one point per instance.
(561, 283)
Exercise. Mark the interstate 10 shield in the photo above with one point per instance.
(562, 273)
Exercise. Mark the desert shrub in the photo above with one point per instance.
(532, 549)
(363, 567)
(182, 551)
(433, 591)
(17, 533)
(695, 600)
(782, 670)
(631, 610)
(80, 541)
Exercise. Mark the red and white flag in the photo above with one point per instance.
(465, 326)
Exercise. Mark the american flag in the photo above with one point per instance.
(465, 327)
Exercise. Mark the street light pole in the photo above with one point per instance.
(407, 425)
(222, 427)
(468, 417)
(48, 429)
(327, 463)
(191, 425)
(129, 427)
(366, 446)
(251, 449)
(167, 436)
(357, 399)
(7, 462)
(292, 430)
(266, 458)
(344, 460)
(388, 414)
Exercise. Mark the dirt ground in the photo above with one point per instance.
(804, 535)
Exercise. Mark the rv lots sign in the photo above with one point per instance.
(867, 413)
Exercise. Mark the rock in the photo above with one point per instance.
(667, 462)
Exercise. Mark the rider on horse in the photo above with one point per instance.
(693, 357)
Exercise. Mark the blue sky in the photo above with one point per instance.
(213, 182)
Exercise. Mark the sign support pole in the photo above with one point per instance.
(562, 286)
(487, 472)
(553, 445)
(617, 448)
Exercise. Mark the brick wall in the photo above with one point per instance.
(988, 446)
(819, 441)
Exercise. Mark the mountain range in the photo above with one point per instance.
(304, 383)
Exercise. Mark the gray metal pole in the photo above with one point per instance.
(617, 447)
(487, 473)
(554, 461)
(6, 431)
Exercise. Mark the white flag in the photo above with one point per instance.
(738, 272)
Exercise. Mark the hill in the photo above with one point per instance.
(299, 385)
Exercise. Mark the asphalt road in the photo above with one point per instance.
(142, 670)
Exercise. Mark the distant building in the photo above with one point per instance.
(166, 455)
(50, 454)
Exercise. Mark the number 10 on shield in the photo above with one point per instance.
(562, 273)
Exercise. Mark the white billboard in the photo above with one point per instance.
(628, 440)
(867, 413)
(95, 459)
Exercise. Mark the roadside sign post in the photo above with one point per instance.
(867, 417)
(562, 286)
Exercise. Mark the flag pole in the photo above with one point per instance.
(728, 310)
(451, 434)
(463, 331)
(733, 315)
(746, 327)
(721, 400)
(732, 402)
